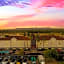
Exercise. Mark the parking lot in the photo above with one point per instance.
(17, 59)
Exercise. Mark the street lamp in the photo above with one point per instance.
(10, 43)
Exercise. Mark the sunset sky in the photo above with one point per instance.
(31, 13)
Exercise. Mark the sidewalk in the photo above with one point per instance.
(52, 62)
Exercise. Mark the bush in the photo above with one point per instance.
(51, 53)
(47, 53)
(21, 52)
(61, 62)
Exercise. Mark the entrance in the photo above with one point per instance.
(33, 44)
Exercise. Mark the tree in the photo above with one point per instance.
(44, 39)
(6, 35)
(38, 37)
(33, 36)
(28, 34)
(24, 34)
(51, 53)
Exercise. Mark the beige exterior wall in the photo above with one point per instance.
(60, 43)
(39, 44)
(15, 43)
(46, 43)
(20, 43)
(63, 43)
(50, 43)
(4, 43)
(53, 42)
(27, 43)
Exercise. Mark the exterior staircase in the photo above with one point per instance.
(33, 51)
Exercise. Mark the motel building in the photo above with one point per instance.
(25, 42)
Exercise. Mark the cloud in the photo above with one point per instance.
(35, 24)
(9, 11)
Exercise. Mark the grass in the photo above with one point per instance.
(20, 52)
(61, 62)
(51, 61)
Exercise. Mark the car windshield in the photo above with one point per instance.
(13, 60)
(6, 59)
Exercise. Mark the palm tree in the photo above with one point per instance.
(37, 38)
(33, 39)
(24, 34)
(44, 39)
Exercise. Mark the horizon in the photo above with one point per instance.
(46, 28)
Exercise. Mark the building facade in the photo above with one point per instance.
(25, 42)
(15, 41)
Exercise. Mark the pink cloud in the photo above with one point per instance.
(35, 23)
(48, 3)
(23, 16)
(13, 23)
(1, 19)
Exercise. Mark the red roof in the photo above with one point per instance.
(26, 38)
(17, 37)
(52, 36)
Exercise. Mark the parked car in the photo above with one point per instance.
(5, 61)
(18, 62)
(41, 59)
(24, 61)
(33, 59)
(1, 59)
(60, 54)
(13, 61)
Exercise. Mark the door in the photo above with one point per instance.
(33, 43)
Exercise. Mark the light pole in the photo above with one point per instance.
(43, 41)
(24, 43)
(27, 43)
(10, 43)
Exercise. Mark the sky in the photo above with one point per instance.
(31, 14)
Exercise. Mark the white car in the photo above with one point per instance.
(24, 62)
(41, 59)
(42, 62)
(5, 61)
(13, 61)
(33, 62)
